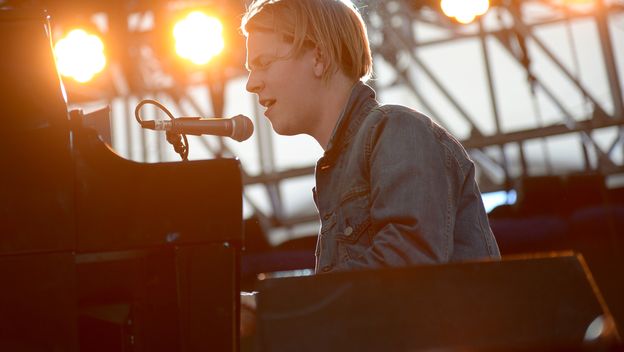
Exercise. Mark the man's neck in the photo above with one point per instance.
(334, 100)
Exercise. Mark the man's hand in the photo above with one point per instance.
(248, 313)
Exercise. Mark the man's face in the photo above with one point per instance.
(285, 85)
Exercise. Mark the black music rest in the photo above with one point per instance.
(514, 304)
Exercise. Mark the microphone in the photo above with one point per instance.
(238, 127)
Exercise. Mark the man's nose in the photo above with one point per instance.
(254, 85)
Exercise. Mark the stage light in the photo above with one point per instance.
(80, 55)
(580, 4)
(198, 37)
(464, 11)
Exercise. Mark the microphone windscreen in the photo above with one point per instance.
(242, 128)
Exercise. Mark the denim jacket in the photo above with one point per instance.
(395, 189)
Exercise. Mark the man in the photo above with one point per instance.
(392, 188)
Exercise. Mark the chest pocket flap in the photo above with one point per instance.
(352, 216)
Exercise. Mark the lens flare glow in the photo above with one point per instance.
(80, 55)
(198, 37)
(579, 5)
(464, 11)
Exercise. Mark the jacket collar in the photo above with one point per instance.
(360, 103)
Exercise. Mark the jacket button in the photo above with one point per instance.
(326, 217)
(348, 231)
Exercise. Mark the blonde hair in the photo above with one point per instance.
(335, 27)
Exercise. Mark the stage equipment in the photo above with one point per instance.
(464, 11)
(517, 304)
(198, 37)
(80, 55)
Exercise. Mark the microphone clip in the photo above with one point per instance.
(175, 139)
(180, 147)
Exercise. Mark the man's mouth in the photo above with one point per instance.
(267, 103)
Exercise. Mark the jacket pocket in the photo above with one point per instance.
(352, 222)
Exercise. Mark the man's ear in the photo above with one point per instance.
(320, 62)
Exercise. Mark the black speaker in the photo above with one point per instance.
(516, 303)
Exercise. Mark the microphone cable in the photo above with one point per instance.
(178, 141)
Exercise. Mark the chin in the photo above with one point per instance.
(285, 131)
(282, 129)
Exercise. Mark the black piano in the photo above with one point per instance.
(99, 253)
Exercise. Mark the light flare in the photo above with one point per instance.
(464, 11)
(80, 55)
(198, 37)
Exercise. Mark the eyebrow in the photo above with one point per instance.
(256, 61)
